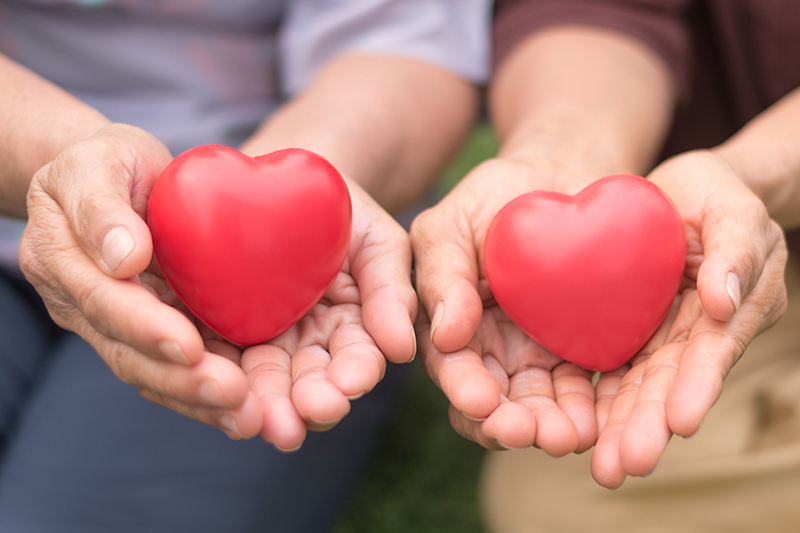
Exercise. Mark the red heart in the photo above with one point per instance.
(590, 277)
(250, 244)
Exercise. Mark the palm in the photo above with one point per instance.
(505, 390)
(673, 382)
(306, 377)
(557, 394)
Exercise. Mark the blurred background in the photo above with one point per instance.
(425, 476)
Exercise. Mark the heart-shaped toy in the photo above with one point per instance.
(250, 245)
(589, 277)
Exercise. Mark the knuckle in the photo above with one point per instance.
(420, 227)
(121, 365)
(91, 300)
(67, 174)
(29, 261)
(63, 313)
(154, 397)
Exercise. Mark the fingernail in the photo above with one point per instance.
(323, 426)
(509, 448)
(475, 419)
(438, 315)
(356, 396)
(174, 352)
(211, 393)
(734, 291)
(229, 427)
(117, 245)
(414, 341)
(288, 450)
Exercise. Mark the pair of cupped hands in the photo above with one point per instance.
(88, 251)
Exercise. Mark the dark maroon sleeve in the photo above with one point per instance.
(659, 24)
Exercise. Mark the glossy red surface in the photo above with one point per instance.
(590, 277)
(250, 244)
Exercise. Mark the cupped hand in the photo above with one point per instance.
(734, 289)
(306, 377)
(505, 391)
(88, 252)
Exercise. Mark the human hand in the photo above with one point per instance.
(734, 290)
(505, 390)
(306, 377)
(88, 252)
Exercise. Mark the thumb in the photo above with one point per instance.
(736, 244)
(381, 265)
(447, 273)
(101, 185)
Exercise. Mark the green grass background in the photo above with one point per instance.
(425, 476)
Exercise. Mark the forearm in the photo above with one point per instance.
(765, 154)
(38, 121)
(590, 101)
(388, 123)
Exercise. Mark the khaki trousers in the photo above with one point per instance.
(739, 474)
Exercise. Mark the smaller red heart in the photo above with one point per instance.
(589, 277)
(250, 245)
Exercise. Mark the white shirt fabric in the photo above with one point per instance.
(195, 72)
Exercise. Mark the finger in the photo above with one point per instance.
(606, 466)
(223, 348)
(102, 185)
(510, 427)
(738, 236)
(213, 381)
(461, 375)
(646, 433)
(707, 360)
(243, 422)
(356, 363)
(713, 347)
(532, 387)
(269, 372)
(381, 265)
(497, 372)
(574, 395)
(83, 299)
(321, 404)
(447, 271)
(605, 392)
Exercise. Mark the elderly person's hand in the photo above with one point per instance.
(88, 252)
(504, 389)
(306, 377)
(734, 290)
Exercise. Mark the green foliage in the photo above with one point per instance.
(481, 145)
(425, 477)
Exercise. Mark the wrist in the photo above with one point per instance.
(568, 157)
(40, 120)
(767, 182)
(40, 152)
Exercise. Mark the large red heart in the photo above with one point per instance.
(590, 277)
(250, 244)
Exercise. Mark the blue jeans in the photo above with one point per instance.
(80, 451)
